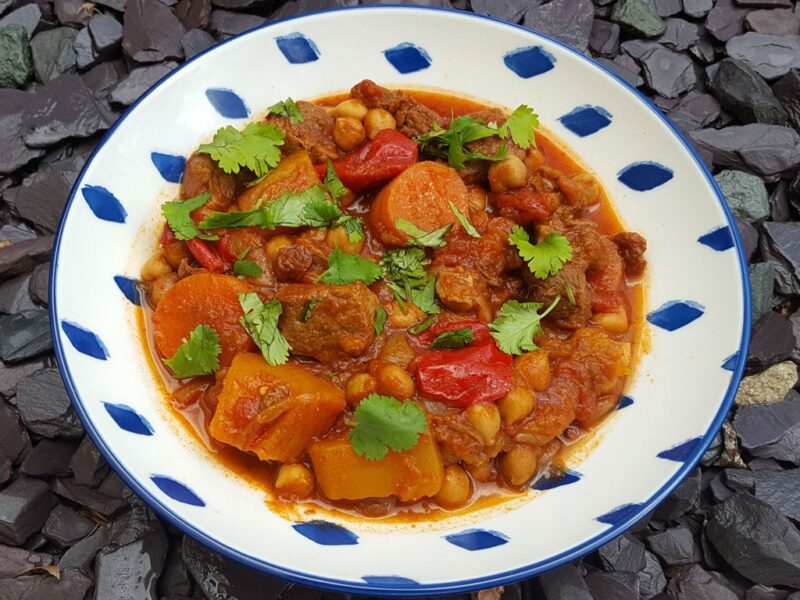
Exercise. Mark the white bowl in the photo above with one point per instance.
(697, 298)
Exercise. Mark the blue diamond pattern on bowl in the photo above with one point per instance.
(129, 287)
(729, 364)
(104, 204)
(297, 48)
(676, 314)
(682, 451)
(530, 61)
(720, 239)
(128, 419)
(227, 103)
(624, 402)
(177, 490)
(84, 341)
(645, 176)
(407, 58)
(586, 120)
(170, 166)
(620, 514)
(565, 477)
(326, 533)
(390, 581)
(477, 539)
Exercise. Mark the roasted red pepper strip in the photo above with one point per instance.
(167, 237)
(376, 161)
(205, 255)
(225, 250)
(479, 372)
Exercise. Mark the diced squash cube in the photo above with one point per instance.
(294, 173)
(274, 412)
(343, 475)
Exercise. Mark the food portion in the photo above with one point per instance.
(393, 299)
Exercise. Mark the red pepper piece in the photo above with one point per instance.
(605, 296)
(224, 248)
(479, 330)
(206, 255)
(375, 162)
(167, 236)
(476, 373)
(525, 205)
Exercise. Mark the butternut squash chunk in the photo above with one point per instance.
(294, 173)
(274, 412)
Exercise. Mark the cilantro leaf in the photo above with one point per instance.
(424, 296)
(344, 268)
(333, 184)
(382, 423)
(422, 326)
(520, 126)
(404, 272)
(287, 108)
(197, 355)
(246, 268)
(255, 147)
(547, 257)
(380, 320)
(354, 227)
(421, 238)
(179, 217)
(287, 210)
(453, 340)
(318, 212)
(451, 143)
(518, 324)
(305, 314)
(261, 322)
(462, 218)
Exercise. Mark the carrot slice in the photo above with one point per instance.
(295, 173)
(203, 298)
(419, 195)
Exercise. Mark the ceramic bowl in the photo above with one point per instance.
(697, 301)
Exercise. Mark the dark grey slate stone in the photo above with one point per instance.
(27, 17)
(91, 498)
(87, 464)
(63, 108)
(779, 205)
(762, 286)
(745, 194)
(14, 296)
(763, 424)
(668, 73)
(24, 506)
(70, 585)
(14, 440)
(624, 553)
(53, 53)
(680, 34)
(726, 20)
(668, 8)
(604, 38)
(695, 582)
(509, 10)
(682, 500)
(569, 21)
(780, 243)
(16, 64)
(676, 546)
(194, 14)
(756, 540)
(695, 110)
(196, 41)
(763, 592)
(42, 196)
(49, 458)
(564, 582)
(85, 54)
(14, 153)
(37, 288)
(771, 56)
(81, 555)
(638, 18)
(45, 407)
(779, 21)
(138, 81)
(767, 150)
(16, 233)
(25, 335)
(787, 91)
(65, 527)
(18, 561)
(772, 342)
(72, 12)
(102, 78)
(749, 237)
(151, 32)
(106, 34)
(623, 70)
(697, 8)
(175, 580)
(744, 94)
(21, 257)
(227, 23)
(613, 586)
(779, 490)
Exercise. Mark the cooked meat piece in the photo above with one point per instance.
(314, 134)
(412, 117)
(569, 283)
(203, 175)
(303, 261)
(474, 171)
(580, 190)
(460, 289)
(631, 247)
(328, 322)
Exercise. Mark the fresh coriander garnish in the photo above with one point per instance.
(179, 217)
(319, 212)
(332, 182)
(305, 314)
(451, 143)
(380, 320)
(518, 324)
(197, 355)
(383, 423)
(261, 322)
(422, 326)
(344, 268)
(353, 226)
(547, 257)
(453, 340)
(287, 108)
(256, 147)
(404, 272)
(246, 268)
(421, 238)
(287, 210)
(462, 218)
(520, 126)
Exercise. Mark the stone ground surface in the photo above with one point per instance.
(727, 72)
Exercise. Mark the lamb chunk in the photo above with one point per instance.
(412, 117)
(569, 280)
(631, 247)
(314, 134)
(328, 322)
(474, 171)
(303, 261)
(460, 289)
(202, 175)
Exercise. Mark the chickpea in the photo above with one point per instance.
(395, 381)
(508, 174)
(155, 268)
(477, 199)
(518, 465)
(401, 319)
(534, 367)
(397, 350)
(615, 322)
(348, 133)
(517, 405)
(160, 287)
(351, 108)
(455, 490)
(482, 471)
(534, 159)
(358, 387)
(294, 481)
(275, 245)
(174, 254)
(580, 190)
(337, 238)
(376, 120)
(485, 417)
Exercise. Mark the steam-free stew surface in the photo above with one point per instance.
(391, 300)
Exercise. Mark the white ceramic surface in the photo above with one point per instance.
(697, 297)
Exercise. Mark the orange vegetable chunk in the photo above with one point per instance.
(343, 475)
(419, 195)
(203, 298)
(294, 173)
(274, 412)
